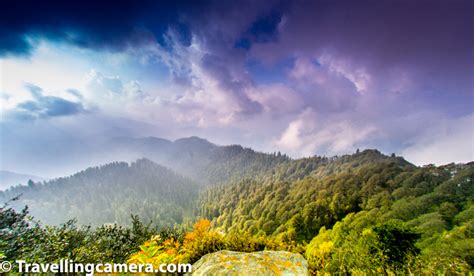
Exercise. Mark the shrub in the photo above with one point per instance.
(318, 252)
(201, 241)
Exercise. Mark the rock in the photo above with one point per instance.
(255, 263)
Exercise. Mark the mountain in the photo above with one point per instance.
(206, 163)
(8, 179)
(110, 194)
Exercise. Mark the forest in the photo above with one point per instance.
(109, 194)
(360, 213)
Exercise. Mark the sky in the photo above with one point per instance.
(301, 77)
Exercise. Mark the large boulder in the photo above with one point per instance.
(255, 263)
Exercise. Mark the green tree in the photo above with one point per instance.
(397, 243)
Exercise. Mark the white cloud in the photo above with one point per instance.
(48, 69)
(104, 86)
(321, 88)
(359, 76)
(276, 98)
(207, 92)
(113, 88)
(452, 140)
(308, 135)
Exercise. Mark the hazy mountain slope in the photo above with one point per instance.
(110, 193)
(8, 179)
(197, 158)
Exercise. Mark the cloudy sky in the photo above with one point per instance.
(301, 77)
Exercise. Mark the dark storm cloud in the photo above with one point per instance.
(44, 106)
(263, 29)
(402, 29)
(111, 25)
(429, 42)
(423, 30)
(412, 55)
(425, 33)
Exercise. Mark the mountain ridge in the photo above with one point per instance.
(196, 157)
(9, 178)
(110, 193)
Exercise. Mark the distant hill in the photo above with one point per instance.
(197, 158)
(8, 179)
(110, 194)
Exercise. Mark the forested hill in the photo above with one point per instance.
(318, 166)
(8, 179)
(109, 194)
(206, 163)
(320, 192)
(339, 206)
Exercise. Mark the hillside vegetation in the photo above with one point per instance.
(109, 194)
(345, 211)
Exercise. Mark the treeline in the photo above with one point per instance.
(23, 238)
(109, 194)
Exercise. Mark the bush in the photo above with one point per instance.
(318, 252)
(195, 244)
(397, 243)
(244, 242)
(201, 241)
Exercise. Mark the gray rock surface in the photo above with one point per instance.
(254, 263)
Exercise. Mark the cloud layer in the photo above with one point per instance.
(302, 77)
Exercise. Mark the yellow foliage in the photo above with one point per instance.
(319, 250)
(155, 253)
(202, 226)
(199, 242)
(196, 244)
(325, 248)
